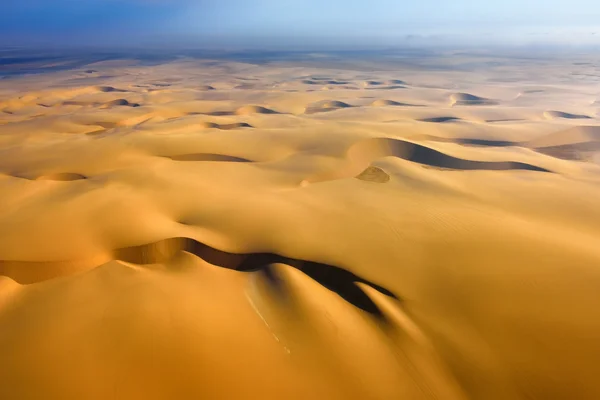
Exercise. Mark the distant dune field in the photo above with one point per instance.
(321, 229)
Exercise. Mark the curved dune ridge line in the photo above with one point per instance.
(248, 110)
(372, 149)
(326, 105)
(579, 134)
(363, 153)
(466, 99)
(245, 110)
(235, 125)
(486, 142)
(107, 89)
(579, 143)
(108, 104)
(566, 115)
(440, 120)
(476, 142)
(387, 84)
(207, 157)
(335, 104)
(386, 103)
(28, 272)
(120, 102)
(333, 278)
(62, 176)
(324, 81)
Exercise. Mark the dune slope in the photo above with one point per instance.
(288, 230)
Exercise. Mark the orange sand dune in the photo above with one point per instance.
(291, 230)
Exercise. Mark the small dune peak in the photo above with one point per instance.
(120, 103)
(395, 82)
(235, 125)
(62, 177)
(440, 120)
(373, 174)
(252, 109)
(371, 149)
(107, 89)
(209, 125)
(564, 115)
(466, 99)
(335, 104)
(386, 103)
(581, 143)
(327, 105)
(208, 157)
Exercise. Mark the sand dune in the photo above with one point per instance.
(395, 82)
(560, 114)
(486, 142)
(247, 110)
(107, 89)
(336, 279)
(440, 120)
(207, 157)
(386, 103)
(62, 176)
(108, 104)
(348, 246)
(361, 154)
(580, 134)
(235, 125)
(373, 174)
(323, 82)
(120, 102)
(466, 99)
(579, 143)
(325, 106)
(372, 149)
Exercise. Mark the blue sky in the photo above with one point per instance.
(337, 21)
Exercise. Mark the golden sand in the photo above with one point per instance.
(222, 230)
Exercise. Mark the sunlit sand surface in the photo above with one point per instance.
(328, 229)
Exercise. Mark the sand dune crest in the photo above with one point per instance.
(248, 110)
(62, 176)
(566, 115)
(325, 106)
(440, 120)
(207, 157)
(386, 103)
(372, 149)
(374, 174)
(466, 99)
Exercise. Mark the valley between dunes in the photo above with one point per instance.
(209, 229)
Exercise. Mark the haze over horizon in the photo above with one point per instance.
(308, 23)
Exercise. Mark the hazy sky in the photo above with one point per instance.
(313, 21)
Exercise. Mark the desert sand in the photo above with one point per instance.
(326, 229)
